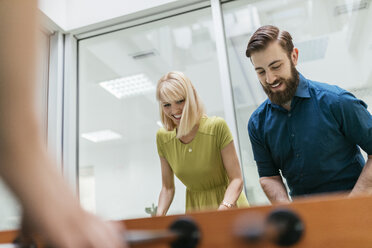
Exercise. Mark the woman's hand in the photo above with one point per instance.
(222, 207)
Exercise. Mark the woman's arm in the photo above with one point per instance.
(231, 163)
(167, 189)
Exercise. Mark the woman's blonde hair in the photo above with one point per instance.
(175, 86)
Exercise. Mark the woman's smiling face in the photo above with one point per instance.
(173, 110)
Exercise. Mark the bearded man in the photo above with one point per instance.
(306, 131)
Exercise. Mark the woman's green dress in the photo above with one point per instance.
(198, 164)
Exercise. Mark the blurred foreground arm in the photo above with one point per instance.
(47, 203)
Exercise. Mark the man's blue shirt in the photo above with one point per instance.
(315, 144)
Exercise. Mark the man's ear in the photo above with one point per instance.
(294, 56)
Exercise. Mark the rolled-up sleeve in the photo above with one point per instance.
(261, 154)
(355, 121)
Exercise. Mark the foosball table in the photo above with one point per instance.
(332, 221)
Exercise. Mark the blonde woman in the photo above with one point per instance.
(198, 149)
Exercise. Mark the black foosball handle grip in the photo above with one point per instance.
(182, 233)
(282, 227)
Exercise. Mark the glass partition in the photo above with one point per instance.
(334, 42)
(119, 168)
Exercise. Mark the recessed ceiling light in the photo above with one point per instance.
(100, 136)
(128, 86)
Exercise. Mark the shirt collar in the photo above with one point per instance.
(302, 89)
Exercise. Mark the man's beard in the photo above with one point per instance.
(282, 97)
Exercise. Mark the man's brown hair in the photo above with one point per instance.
(266, 35)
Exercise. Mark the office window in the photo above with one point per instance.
(118, 113)
(335, 46)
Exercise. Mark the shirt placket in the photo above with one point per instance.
(294, 142)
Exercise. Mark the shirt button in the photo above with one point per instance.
(289, 115)
(292, 135)
(297, 155)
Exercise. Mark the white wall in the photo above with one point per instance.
(74, 14)
(55, 10)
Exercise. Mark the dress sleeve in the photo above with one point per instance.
(159, 143)
(265, 164)
(355, 120)
(224, 135)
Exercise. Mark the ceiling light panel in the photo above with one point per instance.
(128, 86)
(100, 136)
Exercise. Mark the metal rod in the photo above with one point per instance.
(181, 231)
(10, 245)
(136, 237)
(150, 236)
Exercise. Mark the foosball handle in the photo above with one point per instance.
(182, 233)
(188, 233)
(288, 226)
(282, 227)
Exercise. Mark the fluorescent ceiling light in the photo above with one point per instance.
(100, 136)
(128, 86)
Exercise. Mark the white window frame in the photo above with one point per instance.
(67, 108)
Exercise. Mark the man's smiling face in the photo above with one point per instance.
(276, 72)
